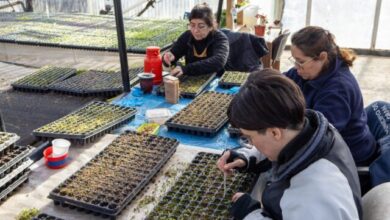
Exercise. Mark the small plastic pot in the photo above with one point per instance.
(146, 81)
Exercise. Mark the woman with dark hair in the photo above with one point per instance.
(313, 175)
(321, 70)
(205, 48)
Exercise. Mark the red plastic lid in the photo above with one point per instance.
(153, 50)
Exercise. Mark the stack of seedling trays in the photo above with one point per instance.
(44, 216)
(113, 178)
(87, 123)
(233, 78)
(96, 83)
(43, 78)
(14, 164)
(190, 85)
(199, 192)
(233, 131)
(206, 115)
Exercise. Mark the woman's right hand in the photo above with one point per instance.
(168, 58)
(226, 167)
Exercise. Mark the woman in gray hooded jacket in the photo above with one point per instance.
(312, 174)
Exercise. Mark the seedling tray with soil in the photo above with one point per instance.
(87, 123)
(112, 179)
(199, 192)
(43, 78)
(98, 83)
(190, 86)
(13, 184)
(12, 157)
(206, 115)
(7, 139)
(233, 78)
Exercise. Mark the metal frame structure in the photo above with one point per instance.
(374, 30)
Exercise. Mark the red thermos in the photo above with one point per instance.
(153, 63)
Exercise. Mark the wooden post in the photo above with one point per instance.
(240, 15)
(229, 17)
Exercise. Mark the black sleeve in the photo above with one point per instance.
(214, 63)
(243, 206)
(251, 165)
(179, 48)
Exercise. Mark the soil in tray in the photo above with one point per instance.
(191, 85)
(199, 192)
(118, 172)
(206, 111)
(95, 81)
(87, 120)
(10, 153)
(45, 76)
(6, 139)
(233, 78)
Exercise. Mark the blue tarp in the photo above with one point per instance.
(143, 102)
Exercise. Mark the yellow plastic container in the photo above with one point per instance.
(149, 128)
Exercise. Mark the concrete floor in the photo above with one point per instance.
(372, 72)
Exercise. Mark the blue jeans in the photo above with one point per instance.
(378, 120)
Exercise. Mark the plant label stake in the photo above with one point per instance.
(224, 185)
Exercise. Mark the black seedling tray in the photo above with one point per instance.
(44, 216)
(115, 175)
(208, 132)
(227, 83)
(7, 139)
(91, 135)
(58, 72)
(233, 131)
(14, 155)
(208, 109)
(199, 191)
(15, 170)
(96, 83)
(186, 80)
(7, 190)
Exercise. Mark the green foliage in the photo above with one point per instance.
(27, 214)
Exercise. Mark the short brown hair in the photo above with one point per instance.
(204, 12)
(268, 99)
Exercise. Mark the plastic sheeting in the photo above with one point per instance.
(143, 102)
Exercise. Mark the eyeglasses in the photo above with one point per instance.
(299, 64)
(200, 26)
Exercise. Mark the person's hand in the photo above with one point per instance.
(237, 196)
(226, 167)
(168, 58)
(177, 71)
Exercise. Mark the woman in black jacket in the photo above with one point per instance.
(205, 48)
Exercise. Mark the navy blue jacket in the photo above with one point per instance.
(336, 94)
(245, 51)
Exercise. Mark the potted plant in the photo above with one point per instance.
(261, 24)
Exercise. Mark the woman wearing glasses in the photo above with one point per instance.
(204, 47)
(323, 74)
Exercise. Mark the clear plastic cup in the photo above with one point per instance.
(60, 147)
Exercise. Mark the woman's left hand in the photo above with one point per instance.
(177, 71)
(237, 196)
